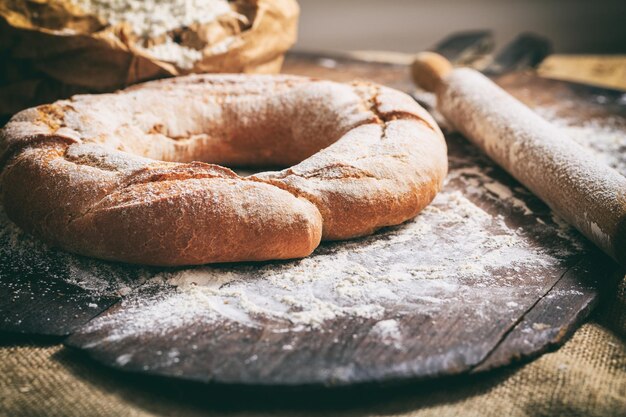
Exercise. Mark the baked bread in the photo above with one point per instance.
(112, 176)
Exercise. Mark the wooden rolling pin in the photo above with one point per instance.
(587, 193)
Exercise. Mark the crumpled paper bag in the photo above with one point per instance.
(49, 49)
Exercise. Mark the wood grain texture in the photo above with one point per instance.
(45, 291)
(33, 303)
(511, 313)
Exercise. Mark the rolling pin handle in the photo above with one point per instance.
(429, 69)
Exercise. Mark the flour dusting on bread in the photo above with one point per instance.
(118, 171)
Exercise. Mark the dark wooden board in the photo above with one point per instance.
(477, 329)
(553, 317)
(48, 292)
(166, 325)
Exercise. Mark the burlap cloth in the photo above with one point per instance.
(585, 377)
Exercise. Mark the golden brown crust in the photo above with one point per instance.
(89, 174)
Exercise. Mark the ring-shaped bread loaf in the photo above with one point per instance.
(112, 175)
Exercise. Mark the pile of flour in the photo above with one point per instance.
(150, 19)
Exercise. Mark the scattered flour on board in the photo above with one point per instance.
(478, 181)
(28, 255)
(389, 332)
(453, 247)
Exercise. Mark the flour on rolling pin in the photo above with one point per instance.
(588, 194)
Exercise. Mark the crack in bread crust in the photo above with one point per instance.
(115, 176)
